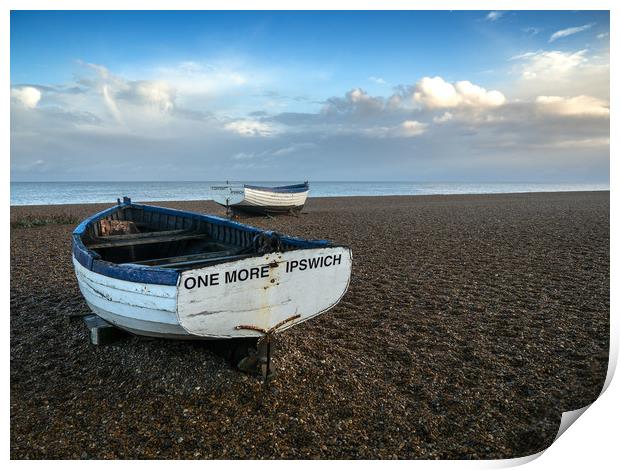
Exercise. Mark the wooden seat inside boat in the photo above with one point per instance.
(146, 238)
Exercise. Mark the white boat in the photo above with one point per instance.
(262, 199)
(167, 273)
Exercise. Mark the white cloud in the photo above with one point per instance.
(251, 128)
(494, 15)
(558, 73)
(111, 103)
(407, 128)
(445, 117)
(550, 63)
(474, 95)
(356, 101)
(244, 156)
(131, 101)
(27, 96)
(294, 148)
(411, 129)
(109, 117)
(195, 77)
(377, 80)
(150, 92)
(437, 93)
(602, 35)
(358, 95)
(230, 84)
(574, 106)
(576, 143)
(569, 31)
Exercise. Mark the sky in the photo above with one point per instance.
(467, 96)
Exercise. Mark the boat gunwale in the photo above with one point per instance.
(92, 261)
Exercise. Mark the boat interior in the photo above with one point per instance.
(150, 236)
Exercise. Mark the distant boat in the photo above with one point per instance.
(262, 199)
(168, 273)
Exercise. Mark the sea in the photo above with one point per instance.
(40, 193)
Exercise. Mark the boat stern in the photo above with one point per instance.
(250, 296)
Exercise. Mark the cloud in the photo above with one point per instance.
(129, 102)
(550, 62)
(108, 98)
(554, 72)
(149, 92)
(195, 77)
(445, 117)
(474, 95)
(295, 148)
(406, 129)
(569, 32)
(560, 125)
(573, 106)
(494, 15)
(377, 80)
(602, 35)
(435, 93)
(154, 93)
(251, 128)
(411, 129)
(576, 143)
(26, 96)
(356, 101)
(244, 156)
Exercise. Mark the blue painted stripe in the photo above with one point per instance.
(83, 255)
(293, 188)
(136, 273)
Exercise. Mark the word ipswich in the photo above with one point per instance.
(245, 274)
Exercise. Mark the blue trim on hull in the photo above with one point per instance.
(150, 274)
(136, 273)
(292, 188)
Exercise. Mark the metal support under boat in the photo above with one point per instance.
(261, 361)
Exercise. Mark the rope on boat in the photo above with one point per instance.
(267, 243)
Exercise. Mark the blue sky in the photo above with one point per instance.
(258, 94)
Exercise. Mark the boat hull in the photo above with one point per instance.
(264, 200)
(137, 307)
(222, 300)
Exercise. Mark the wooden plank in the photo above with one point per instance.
(174, 260)
(229, 257)
(104, 283)
(135, 299)
(132, 236)
(147, 241)
(102, 332)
